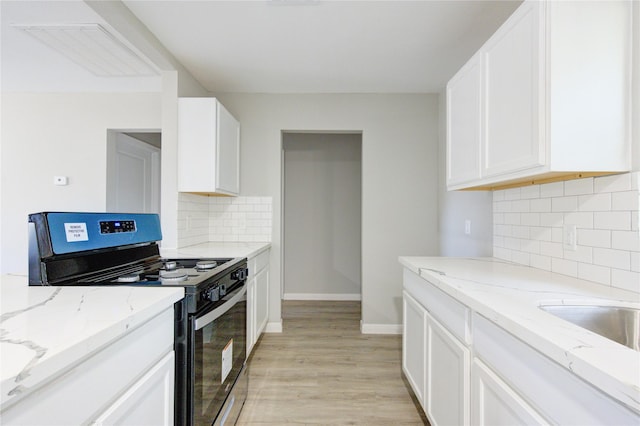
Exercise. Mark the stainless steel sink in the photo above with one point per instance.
(616, 323)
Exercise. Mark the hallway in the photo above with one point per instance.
(322, 370)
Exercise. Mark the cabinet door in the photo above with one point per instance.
(251, 314)
(447, 392)
(495, 403)
(148, 402)
(228, 155)
(414, 345)
(261, 302)
(464, 132)
(514, 93)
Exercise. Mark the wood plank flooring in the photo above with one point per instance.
(322, 371)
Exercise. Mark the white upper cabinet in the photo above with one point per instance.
(208, 148)
(464, 131)
(546, 97)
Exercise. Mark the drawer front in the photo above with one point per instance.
(453, 315)
(258, 263)
(549, 388)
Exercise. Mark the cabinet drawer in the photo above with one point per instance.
(258, 263)
(549, 388)
(453, 315)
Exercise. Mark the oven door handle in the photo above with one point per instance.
(209, 317)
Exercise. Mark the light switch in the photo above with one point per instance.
(569, 237)
(60, 180)
(467, 227)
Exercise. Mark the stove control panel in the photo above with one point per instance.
(116, 226)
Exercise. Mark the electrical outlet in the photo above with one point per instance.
(569, 237)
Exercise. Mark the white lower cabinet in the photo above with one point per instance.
(414, 350)
(447, 393)
(495, 403)
(128, 382)
(465, 370)
(257, 297)
(436, 365)
(148, 402)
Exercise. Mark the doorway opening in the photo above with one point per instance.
(322, 216)
(133, 171)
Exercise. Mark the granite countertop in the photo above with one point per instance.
(509, 295)
(217, 249)
(45, 331)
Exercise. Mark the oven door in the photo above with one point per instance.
(219, 353)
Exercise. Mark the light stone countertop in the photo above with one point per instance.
(45, 331)
(509, 295)
(217, 249)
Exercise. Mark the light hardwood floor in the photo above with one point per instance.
(322, 370)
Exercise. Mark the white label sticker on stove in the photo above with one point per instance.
(227, 360)
(76, 232)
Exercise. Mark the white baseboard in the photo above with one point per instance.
(380, 328)
(322, 296)
(273, 327)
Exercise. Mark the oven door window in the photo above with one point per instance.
(219, 354)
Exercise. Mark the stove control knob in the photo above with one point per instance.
(223, 290)
(170, 265)
(213, 294)
(240, 274)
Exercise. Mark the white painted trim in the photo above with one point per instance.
(322, 296)
(380, 328)
(273, 327)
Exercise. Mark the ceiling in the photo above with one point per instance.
(273, 46)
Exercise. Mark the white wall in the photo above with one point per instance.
(322, 216)
(45, 135)
(458, 206)
(399, 180)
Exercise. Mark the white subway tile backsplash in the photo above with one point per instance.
(512, 218)
(498, 195)
(531, 219)
(594, 202)
(635, 262)
(541, 205)
(520, 206)
(512, 194)
(613, 183)
(520, 257)
(594, 237)
(626, 200)
(578, 186)
(582, 220)
(590, 272)
(528, 228)
(612, 220)
(581, 254)
(619, 259)
(626, 279)
(540, 262)
(625, 240)
(564, 204)
(551, 219)
(203, 218)
(529, 192)
(555, 189)
(551, 249)
(541, 233)
(565, 267)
